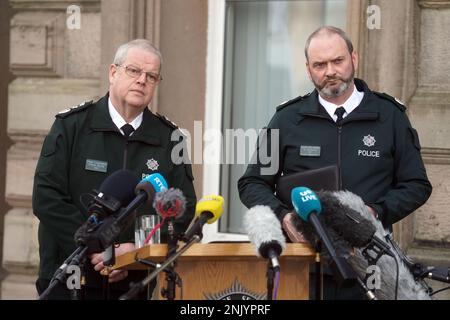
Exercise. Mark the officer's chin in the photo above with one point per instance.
(335, 90)
(138, 102)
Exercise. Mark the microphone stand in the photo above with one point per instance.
(270, 276)
(171, 277)
(318, 266)
(79, 294)
(60, 275)
(342, 271)
(154, 265)
(369, 293)
(123, 217)
(139, 286)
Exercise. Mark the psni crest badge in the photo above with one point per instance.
(152, 164)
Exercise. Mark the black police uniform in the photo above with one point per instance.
(83, 147)
(375, 148)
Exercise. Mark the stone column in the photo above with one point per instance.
(430, 114)
(408, 58)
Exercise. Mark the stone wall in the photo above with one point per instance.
(408, 58)
(60, 61)
(56, 65)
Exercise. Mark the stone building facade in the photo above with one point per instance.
(51, 62)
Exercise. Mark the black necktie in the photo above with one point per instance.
(127, 129)
(340, 113)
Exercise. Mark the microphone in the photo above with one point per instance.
(150, 186)
(207, 210)
(439, 274)
(110, 199)
(170, 203)
(308, 208)
(105, 233)
(264, 231)
(420, 271)
(351, 225)
(402, 283)
(410, 288)
(116, 191)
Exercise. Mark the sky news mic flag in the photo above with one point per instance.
(309, 208)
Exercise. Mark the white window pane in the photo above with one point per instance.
(264, 66)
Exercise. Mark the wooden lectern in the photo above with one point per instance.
(228, 270)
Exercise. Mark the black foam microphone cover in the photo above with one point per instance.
(345, 221)
(121, 185)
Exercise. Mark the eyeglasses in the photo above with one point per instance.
(135, 72)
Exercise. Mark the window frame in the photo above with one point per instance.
(214, 109)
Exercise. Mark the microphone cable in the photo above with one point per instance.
(440, 290)
(84, 201)
(393, 244)
(159, 225)
(277, 283)
(397, 277)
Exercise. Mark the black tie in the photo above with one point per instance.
(127, 129)
(340, 113)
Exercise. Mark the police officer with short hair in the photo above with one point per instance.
(342, 122)
(89, 142)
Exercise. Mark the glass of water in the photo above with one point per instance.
(143, 226)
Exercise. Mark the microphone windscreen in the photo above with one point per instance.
(151, 185)
(120, 185)
(264, 230)
(157, 181)
(305, 201)
(345, 221)
(116, 191)
(170, 203)
(408, 288)
(212, 204)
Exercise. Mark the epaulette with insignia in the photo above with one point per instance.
(167, 121)
(396, 101)
(170, 123)
(289, 102)
(75, 109)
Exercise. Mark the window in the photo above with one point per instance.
(255, 62)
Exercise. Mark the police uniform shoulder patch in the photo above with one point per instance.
(171, 124)
(394, 100)
(290, 102)
(167, 121)
(65, 113)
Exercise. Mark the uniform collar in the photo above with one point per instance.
(149, 129)
(349, 105)
(147, 132)
(119, 121)
(366, 110)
